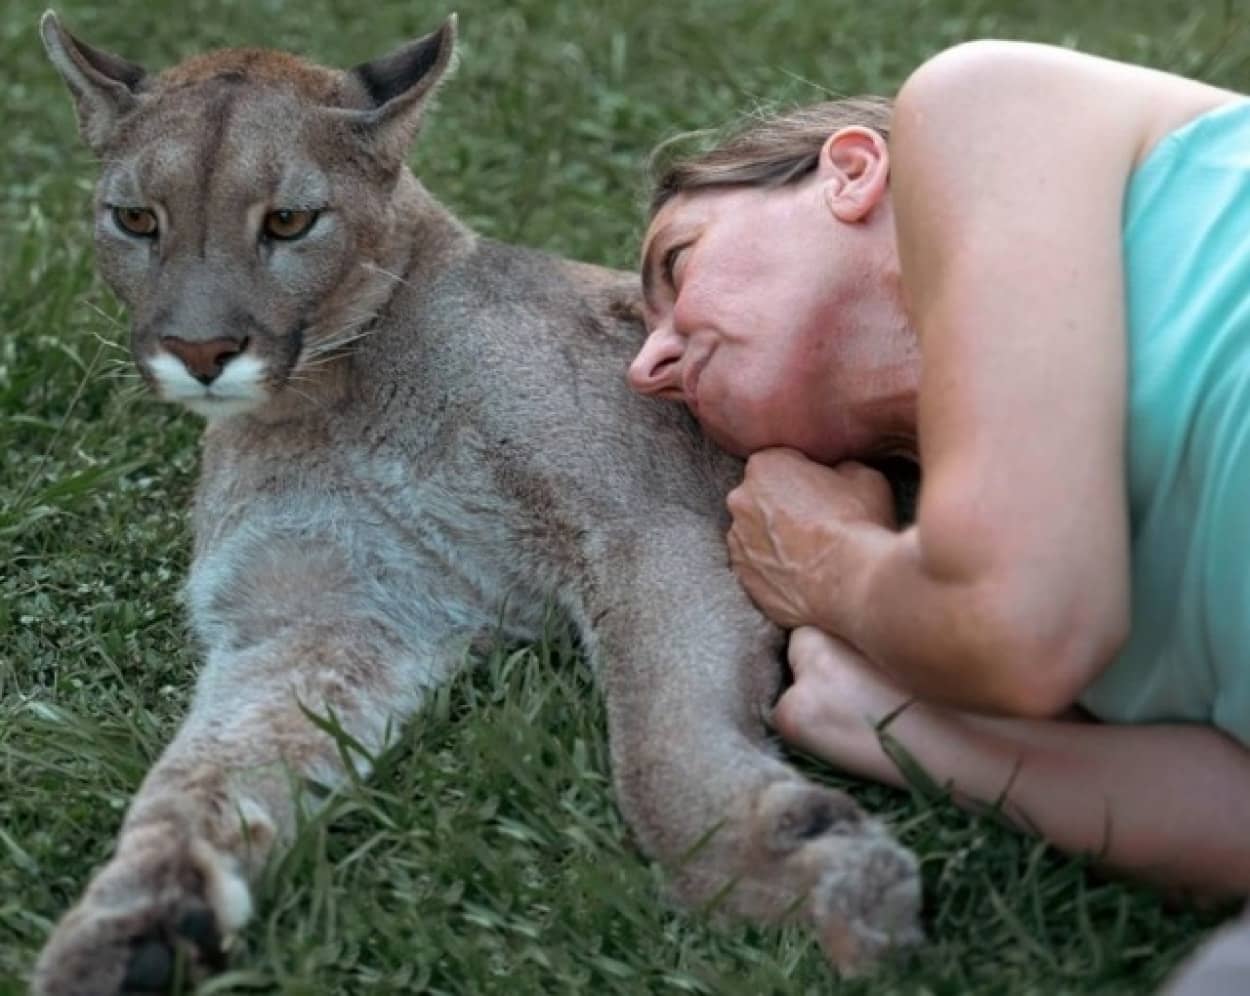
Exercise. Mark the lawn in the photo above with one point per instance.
(486, 855)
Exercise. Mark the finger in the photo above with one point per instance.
(775, 460)
(781, 453)
(869, 484)
(740, 559)
(734, 544)
(855, 472)
(765, 463)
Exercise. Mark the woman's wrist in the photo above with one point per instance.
(856, 555)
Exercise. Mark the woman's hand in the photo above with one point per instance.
(789, 517)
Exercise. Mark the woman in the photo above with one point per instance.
(1057, 238)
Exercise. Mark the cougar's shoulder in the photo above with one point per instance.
(543, 372)
(524, 298)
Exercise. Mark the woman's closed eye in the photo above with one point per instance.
(669, 264)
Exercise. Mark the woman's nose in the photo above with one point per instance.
(656, 369)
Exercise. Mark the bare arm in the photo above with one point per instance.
(1011, 591)
(1165, 803)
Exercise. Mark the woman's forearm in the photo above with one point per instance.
(965, 641)
(1168, 803)
(1164, 803)
(966, 607)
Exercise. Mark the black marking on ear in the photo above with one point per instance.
(390, 76)
(104, 86)
(113, 67)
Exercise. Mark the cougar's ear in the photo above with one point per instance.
(397, 87)
(105, 87)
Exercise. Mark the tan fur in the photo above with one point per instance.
(425, 435)
(259, 65)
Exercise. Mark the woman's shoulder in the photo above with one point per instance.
(1001, 89)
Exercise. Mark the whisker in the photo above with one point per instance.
(130, 394)
(307, 397)
(338, 341)
(109, 343)
(345, 330)
(334, 345)
(118, 368)
(361, 318)
(358, 318)
(369, 265)
(318, 362)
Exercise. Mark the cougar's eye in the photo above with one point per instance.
(139, 222)
(288, 225)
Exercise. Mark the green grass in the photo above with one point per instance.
(486, 856)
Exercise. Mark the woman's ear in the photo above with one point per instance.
(854, 169)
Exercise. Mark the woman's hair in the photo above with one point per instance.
(768, 151)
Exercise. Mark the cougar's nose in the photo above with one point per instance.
(204, 360)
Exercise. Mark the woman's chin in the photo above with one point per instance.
(729, 442)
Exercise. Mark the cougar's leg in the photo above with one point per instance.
(223, 796)
(690, 669)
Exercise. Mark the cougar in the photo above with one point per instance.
(414, 437)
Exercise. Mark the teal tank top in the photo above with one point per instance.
(1187, 279)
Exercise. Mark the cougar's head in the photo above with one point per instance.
(246, 206)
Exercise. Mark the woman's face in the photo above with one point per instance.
(748, 291)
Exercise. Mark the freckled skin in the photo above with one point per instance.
(774, 340)
(441, 441)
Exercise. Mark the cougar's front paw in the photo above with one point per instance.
(159, 911)
(864, 890)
